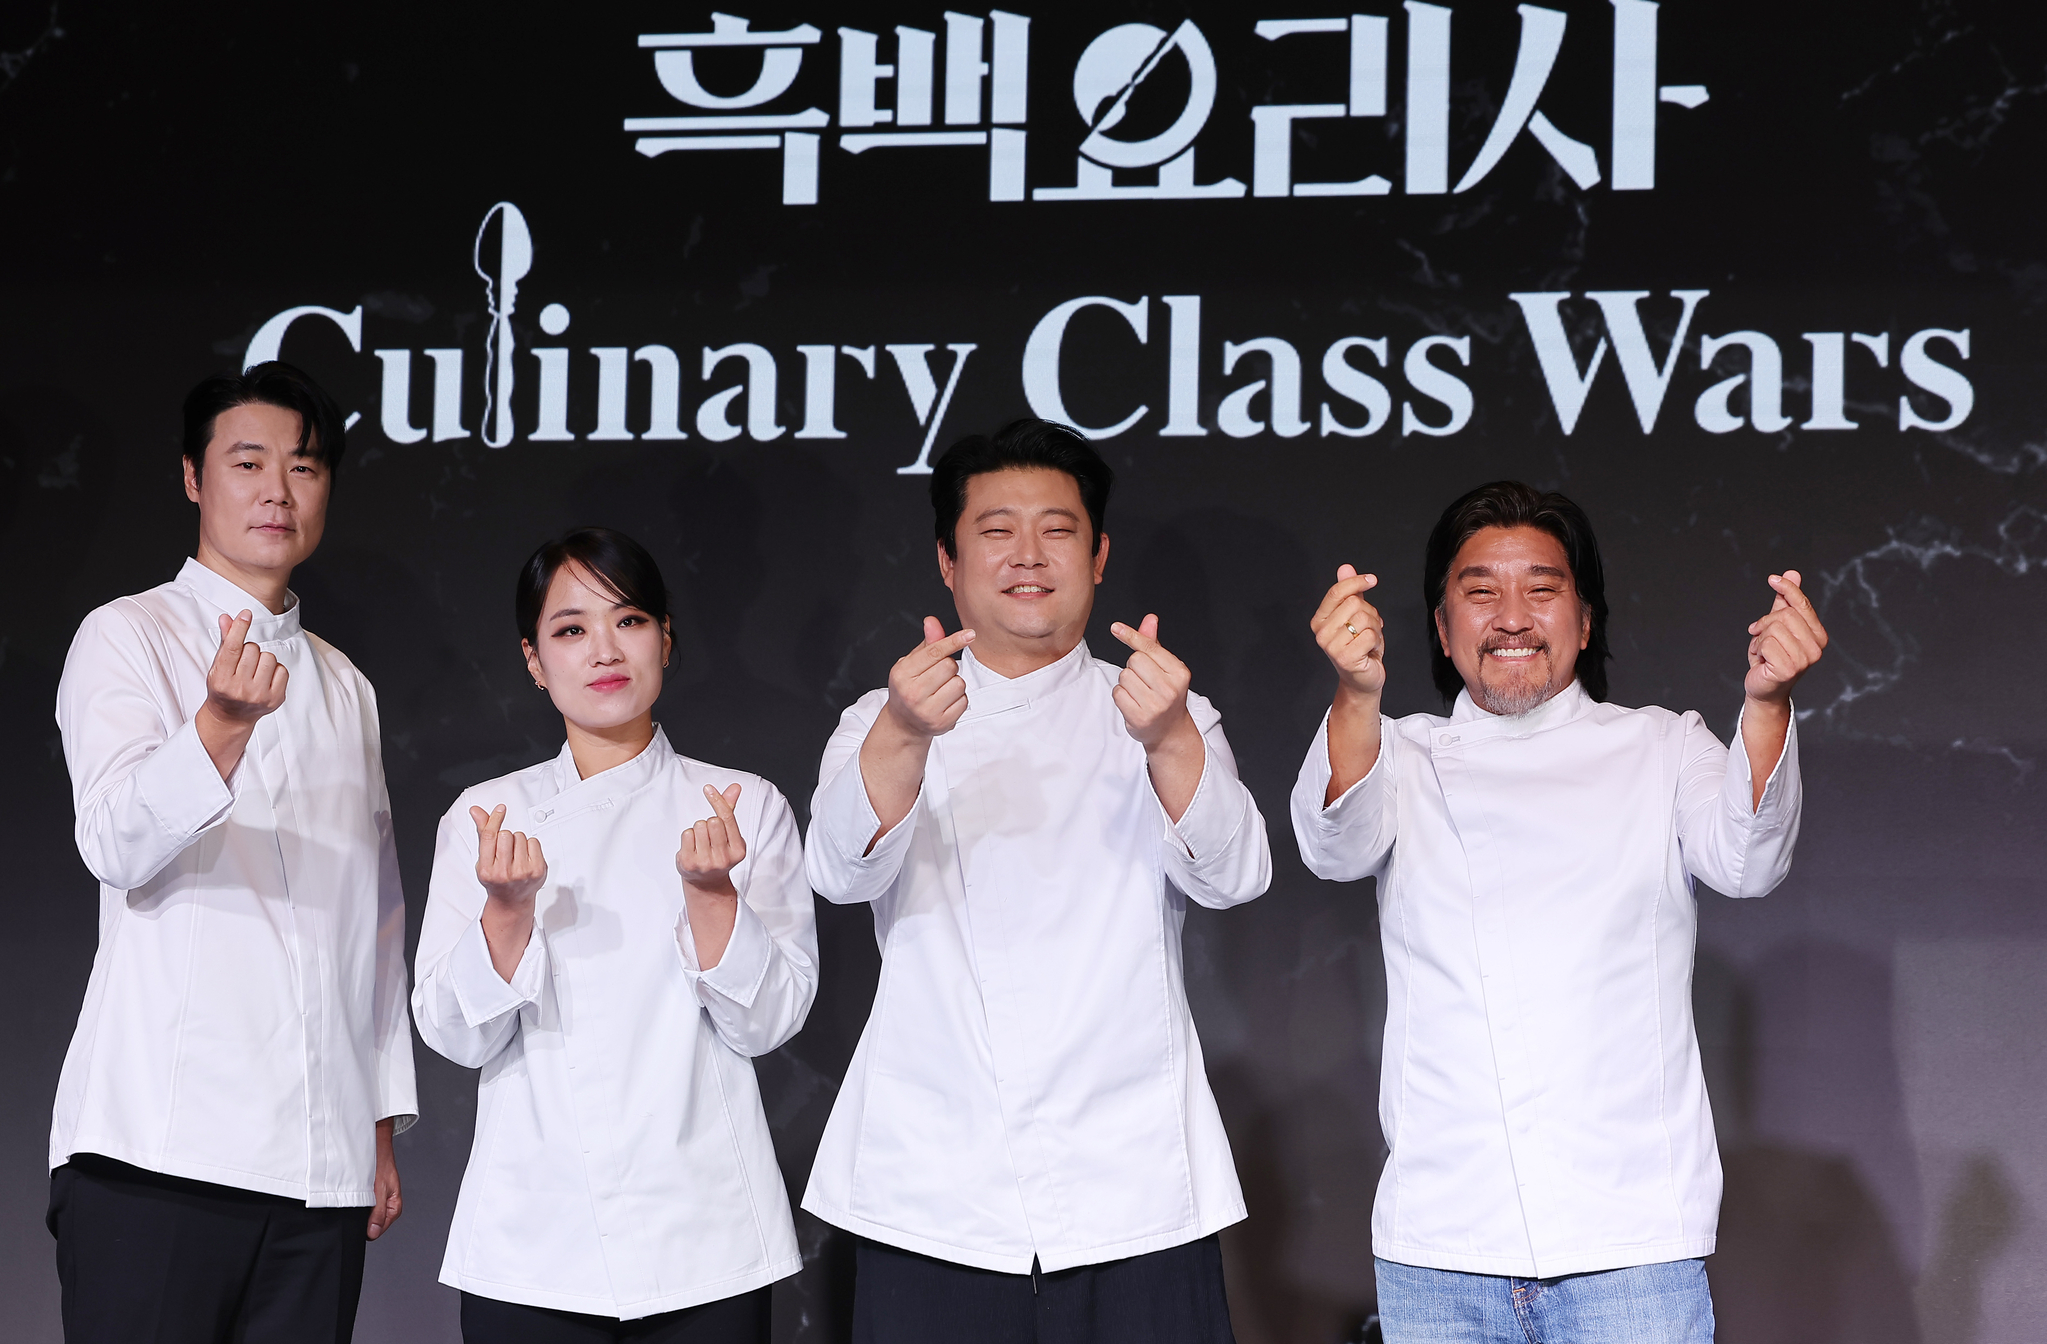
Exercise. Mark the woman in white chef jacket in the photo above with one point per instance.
(611, 936)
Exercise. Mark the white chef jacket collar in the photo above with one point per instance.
(228, 597)
(1560, 708)
(620, 780)
(989, 692)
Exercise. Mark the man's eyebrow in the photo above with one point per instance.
(992, 512)
(1475, 572)
(1551, 570)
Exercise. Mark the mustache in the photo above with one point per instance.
(1513, 642)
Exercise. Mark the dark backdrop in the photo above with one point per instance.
(171, 178)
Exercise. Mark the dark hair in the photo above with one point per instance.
(1028, 442)
(612, 558)
(322, 433)
(1512, 504)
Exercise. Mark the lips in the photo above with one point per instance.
(1028, 590)
(610, 683)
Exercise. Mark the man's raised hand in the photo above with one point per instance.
(509, 864)
(1351, 634)
(244, 682)
(1152, 692)
(713, 847)
(926, 694)
(1784, 644)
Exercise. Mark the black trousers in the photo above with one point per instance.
(1174, 1296)
(147, 1257)
(729, 1320)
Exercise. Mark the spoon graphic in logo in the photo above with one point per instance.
(501, 296)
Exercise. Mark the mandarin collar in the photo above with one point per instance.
(989, 692)
(1559, 709)
(228, 598)
(617, 782)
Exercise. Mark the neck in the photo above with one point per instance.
(1009, 656)
(596, 750)
(269, 586)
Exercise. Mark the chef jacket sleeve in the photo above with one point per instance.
(842, 820)
(1217, 852)
(141, 782)
(397, 1096)
(465, 1010)
(1351, 837)
(1728, 841)
(761, 989)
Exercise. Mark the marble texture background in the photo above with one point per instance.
(1873, 1031)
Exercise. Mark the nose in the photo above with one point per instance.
(1514, 614)
(1029, 552)
(277, 487)
(604, 647)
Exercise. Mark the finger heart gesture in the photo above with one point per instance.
(1152, 692)
(509, 864)
(926, 693)
(1785, 643)
(713, 847)
(1350, 633)
(244, 682)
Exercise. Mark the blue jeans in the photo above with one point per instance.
(1646, 1304)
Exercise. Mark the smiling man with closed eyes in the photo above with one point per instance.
(1025, 1140)
(1553, 1173)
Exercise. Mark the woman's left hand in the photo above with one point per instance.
(713, 847)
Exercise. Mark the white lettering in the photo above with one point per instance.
(1436, 384)
(759, 389)
(664, 397)
(1950, 385)
(1183, 369)
(1233, 417)
(1348, 381)
(396, 403)
(918, 382)
(1765, 380)
(553, 412)
(612, 365)
(1041, 361)
(447, 394)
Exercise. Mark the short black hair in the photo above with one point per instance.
(612, 558)
(1025, 443)
(1512, 504)
(322, 432)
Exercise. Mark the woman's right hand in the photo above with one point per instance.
(511, 868)
(509, 864)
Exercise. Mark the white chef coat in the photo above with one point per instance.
(1540, 1087)
(245, 1020)
(622, 1164)
(1029, 1081)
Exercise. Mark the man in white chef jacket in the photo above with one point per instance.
(221, 1146)
(1025, 1140)
(1553, 1173)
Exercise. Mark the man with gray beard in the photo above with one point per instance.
(1552, 1173)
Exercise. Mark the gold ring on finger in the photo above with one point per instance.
(1354, 631)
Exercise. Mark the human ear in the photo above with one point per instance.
(191, 481)
(1102, 557)
(532, 662)
(1442, 632)
(945, 563)
(1584, 625)
(667, 639)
